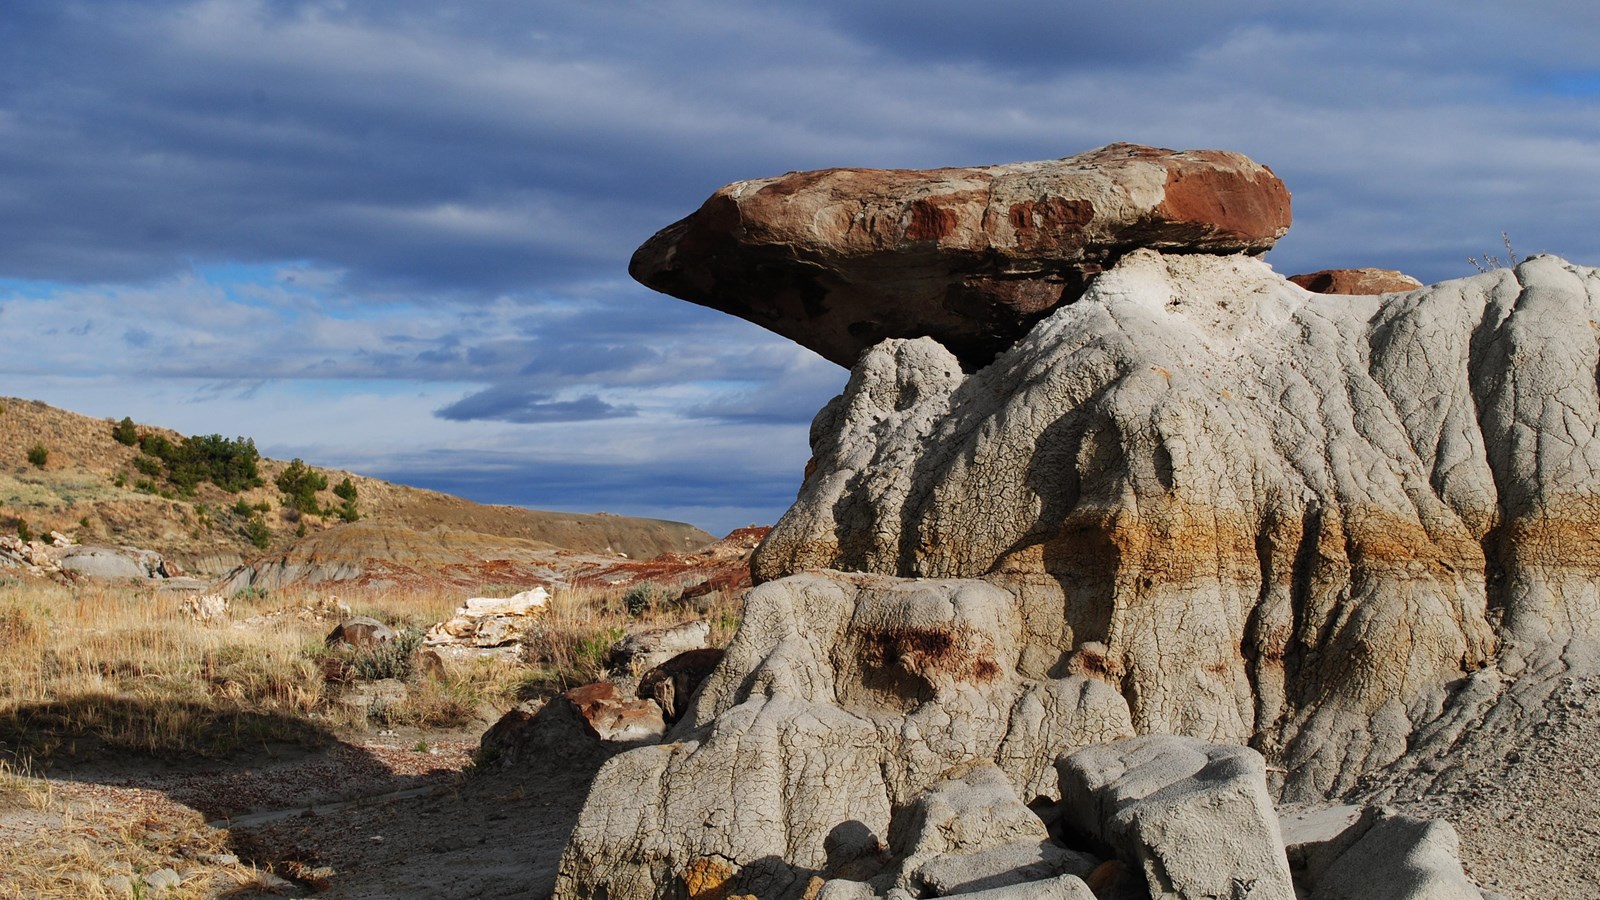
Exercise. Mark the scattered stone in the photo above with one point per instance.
(838, 260)
(672, 684)
(1195, 816)
(1356, 281)
(163, 880)
(119, 885)
(361, 632)
(491, 621)
(205, 608)
(571, 727)
(637, 654)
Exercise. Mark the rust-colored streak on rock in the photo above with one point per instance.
(932, 654)
(1050, 222)
(930, 221)
(1225, 204)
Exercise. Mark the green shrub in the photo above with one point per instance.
(24, 532)
(258, 532)
(125, 433)
(119, 480)
(38, 454)
(392, 659)
(145, 486)
(300, 483)
(243, 509)
(345, 490)
(149, 465)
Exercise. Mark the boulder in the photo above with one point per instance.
(1260, 515)
(488, 622)
(638, 653)
(583, 724)
(1388, 856)
(361, 632)
(1356, 281)
(1195, 816)
(839, 259)
(840, 700)
(673, 683)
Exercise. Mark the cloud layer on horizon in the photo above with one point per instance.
(238, 204)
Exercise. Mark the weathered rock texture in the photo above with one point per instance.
(840, 700)
(840, 259)
(1195, 816)
(1356, 281)
(1260, 515)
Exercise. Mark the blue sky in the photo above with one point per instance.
(392, 236)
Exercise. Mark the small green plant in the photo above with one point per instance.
(592, 648)
(299, 484)
(345, 490)
(24, 532)
(125, 433)
(119, 480)
(149, 465)
(145, 486)
(243, 509)
(421, 747)
(257, 531)
(392, 659)
(641, 598)
(300, 530)
(38, 455)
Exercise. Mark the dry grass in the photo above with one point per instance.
(94, 670)
(93, 667)
(55, 846)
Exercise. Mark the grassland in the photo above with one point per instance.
(98, 675)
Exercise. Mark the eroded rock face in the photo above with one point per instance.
(840, 259)
(1262, 515)
(841, 698)
(1195, 816)
(1356, 281)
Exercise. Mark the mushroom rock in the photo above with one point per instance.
(1321, 526)
(1356, 281)
(839, 259)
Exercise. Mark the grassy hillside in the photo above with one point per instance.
(67, 472)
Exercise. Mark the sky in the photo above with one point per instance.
(392, 236)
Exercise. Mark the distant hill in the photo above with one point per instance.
(96, 489)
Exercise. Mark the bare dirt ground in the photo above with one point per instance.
(395, 814)
(1530, 825)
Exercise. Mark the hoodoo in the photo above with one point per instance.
(1084, 575)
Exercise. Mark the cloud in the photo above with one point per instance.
(505, 404)
(350, 227)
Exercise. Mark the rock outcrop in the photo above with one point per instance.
(1191, 500)
(1356, 281)
(1260, 514)
(840, 259)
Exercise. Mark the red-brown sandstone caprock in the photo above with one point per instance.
(1356, 281)
(840, 259)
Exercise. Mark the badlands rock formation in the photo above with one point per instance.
(1355, 533)
(840, 259)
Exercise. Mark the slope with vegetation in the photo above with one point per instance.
(211, 502)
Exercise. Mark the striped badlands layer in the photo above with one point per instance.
(1316, 524)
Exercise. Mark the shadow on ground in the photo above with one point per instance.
(318, 810)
